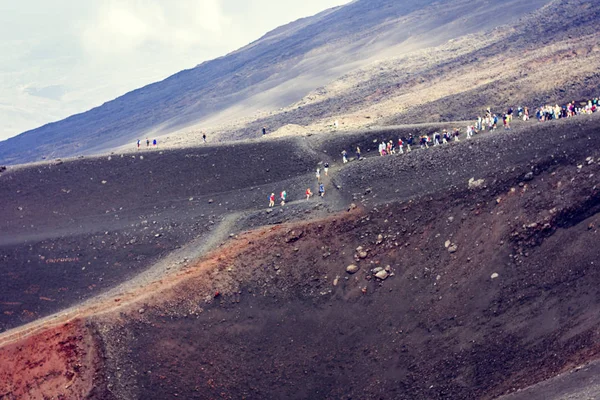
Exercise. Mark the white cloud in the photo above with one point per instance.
(122, 26)
(62, 57)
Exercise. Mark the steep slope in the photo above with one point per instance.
(273, 72)
(547, 56)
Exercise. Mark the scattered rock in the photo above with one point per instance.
(495, 275)
(383, 274)
(141, 311)
(452, 249)
(352, 207)
(294, 236)
(362, 254)
(447, 244)
(104, 182)
(210, 201)
(528, 176)
(450, 219)
(379, 239)
(378, 269)
(352, 269)
(475, 184)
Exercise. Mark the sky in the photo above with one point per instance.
(63, 57)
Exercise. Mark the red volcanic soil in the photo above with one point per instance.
(59, 363)
(488, 288)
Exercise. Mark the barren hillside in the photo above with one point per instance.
(280, 69)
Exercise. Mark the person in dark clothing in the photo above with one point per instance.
(264, 130)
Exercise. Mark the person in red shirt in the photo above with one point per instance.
(308, 194)
(272, 200)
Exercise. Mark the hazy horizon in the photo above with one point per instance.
(67, 57)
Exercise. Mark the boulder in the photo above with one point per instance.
(476, 184)
(383, 275)
(352, 269)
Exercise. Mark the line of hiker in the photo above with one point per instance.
(154, 143)
(489, 122)
(308, 193)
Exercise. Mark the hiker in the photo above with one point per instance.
(469, 131)
(321, 190)
(154, 143)
(147, 142)
(308, 194)
(445, 136)
(326, 168)
(436, 139)
(204, 137)
(272, 200)
(283, 197)
(138, 144)
(456, 134)
(264, 130)
(345, 156)
(357, 153)
(318, 175)
(506, 122)
(400, 146)
(409, 142)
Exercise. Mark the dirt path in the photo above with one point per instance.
(170, 264)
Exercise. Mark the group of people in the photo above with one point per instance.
(308, 193)
(154, 143)
(282, 197)
(489, 122)
(547, 113)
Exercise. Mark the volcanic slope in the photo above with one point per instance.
(491, 286)
(547, 56)
(275, 71)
